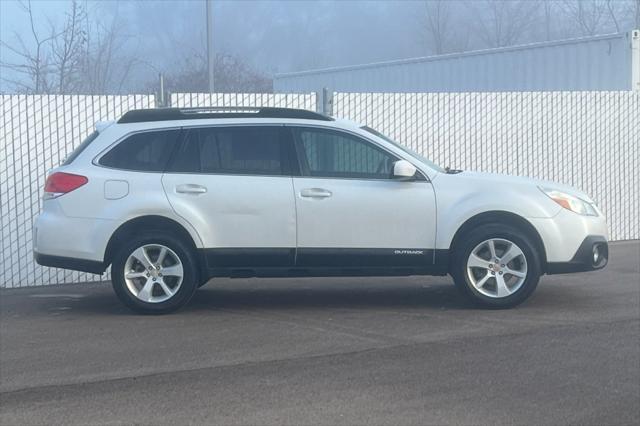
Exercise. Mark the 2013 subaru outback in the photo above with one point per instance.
(173, 197)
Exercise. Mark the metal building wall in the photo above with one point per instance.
(594, 63)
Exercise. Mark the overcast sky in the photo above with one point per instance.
(284, 36)
(274, 36)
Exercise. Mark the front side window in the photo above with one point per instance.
(144, 152)
(328, 153)
(404, 148)
(232, 150)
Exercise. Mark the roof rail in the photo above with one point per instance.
(167, 114)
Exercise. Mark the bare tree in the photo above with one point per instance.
(33, 62)
(232, 75)
(633, 13)
(68, 60)
(503, 23)
(588, 15)
(106, 65)
(67, 49)
(548, 9)
(438, 20)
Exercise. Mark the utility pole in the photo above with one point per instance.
(210, 53)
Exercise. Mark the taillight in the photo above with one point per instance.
(60, 183)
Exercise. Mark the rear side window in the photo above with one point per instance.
(85, 143)
(144, 152)
(257, 150)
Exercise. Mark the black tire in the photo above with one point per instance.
(190, 278)
(467, 243)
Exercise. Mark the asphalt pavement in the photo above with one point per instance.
(390, 351)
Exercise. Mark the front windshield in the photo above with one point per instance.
(404, 148)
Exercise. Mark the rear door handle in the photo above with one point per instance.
(191, 188)
(315, 193)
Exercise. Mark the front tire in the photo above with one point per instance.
(154, 274)
(496, 266)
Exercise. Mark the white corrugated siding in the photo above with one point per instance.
(595, 63)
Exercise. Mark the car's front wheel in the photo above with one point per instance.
(496, 266)
(154, 274)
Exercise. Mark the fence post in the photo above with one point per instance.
(161, 100)
(635, 60)
(325, 101)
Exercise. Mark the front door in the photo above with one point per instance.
(234, 185)
(351, 213)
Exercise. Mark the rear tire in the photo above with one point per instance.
(496, 266)
(154, 273)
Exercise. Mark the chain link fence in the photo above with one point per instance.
(281, 100)
(36, 133)
(590, 140)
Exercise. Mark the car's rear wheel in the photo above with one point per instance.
(154, 274)
(496, 266)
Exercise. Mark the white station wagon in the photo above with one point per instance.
(173, 197)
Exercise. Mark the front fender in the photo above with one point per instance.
(456, 206)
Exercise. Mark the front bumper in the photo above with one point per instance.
(592, 254)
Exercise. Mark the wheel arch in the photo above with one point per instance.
(502, 217)
(142, 224)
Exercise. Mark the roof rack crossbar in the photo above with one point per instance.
(169, 114)
(203, 110)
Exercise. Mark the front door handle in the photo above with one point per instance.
(315, 193)
(191, 188)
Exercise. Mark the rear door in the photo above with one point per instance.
(351, 212)
(234, 185)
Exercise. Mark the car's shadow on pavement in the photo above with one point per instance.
(248, 295)
(354, 295)
(433, 294)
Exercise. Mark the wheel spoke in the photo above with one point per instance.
(173, 271)
(147, 291)
(511, 254)
(501, 287)
(492, 249)
(483, 280)
(165, 288)
(141, 255)
(476, 261)
(162, 255)
(515, 273)
(133, 274)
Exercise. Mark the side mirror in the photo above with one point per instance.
(404, 170)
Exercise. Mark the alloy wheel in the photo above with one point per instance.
(153, 273)
(497, 267)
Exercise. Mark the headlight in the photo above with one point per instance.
(570, 202)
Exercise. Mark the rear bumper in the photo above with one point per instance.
(82, 265)
(593, 254)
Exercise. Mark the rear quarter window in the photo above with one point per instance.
(144, 152)
(85, 143)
